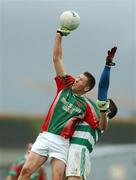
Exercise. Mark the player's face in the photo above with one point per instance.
(80, 84)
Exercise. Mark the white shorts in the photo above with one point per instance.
(51, 145)
(78, 163)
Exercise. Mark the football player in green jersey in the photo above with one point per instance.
(69, 106)
(84, 137)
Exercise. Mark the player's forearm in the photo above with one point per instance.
(103, 121)
(57, 51)
(102, 97)
(57, 56)
(104, 84)
(105, 76)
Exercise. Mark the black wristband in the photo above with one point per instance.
(104, 110)
(59, 32)
(109, 63)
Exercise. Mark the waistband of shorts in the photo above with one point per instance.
(55, 135)
(79, 146)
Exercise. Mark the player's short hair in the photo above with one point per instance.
(91, 80)
(113, 109)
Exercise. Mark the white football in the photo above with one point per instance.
(69, 20)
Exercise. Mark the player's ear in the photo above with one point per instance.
(87, 88)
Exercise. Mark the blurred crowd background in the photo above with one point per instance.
(114, 156)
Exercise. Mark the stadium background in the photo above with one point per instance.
(115, 153)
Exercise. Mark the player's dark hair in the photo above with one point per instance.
(113, 109)
(91, 80)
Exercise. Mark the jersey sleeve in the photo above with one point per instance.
(104, 84)
(63, 82)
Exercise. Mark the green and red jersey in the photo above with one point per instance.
(66, 110)
(17, 166)
(84, 135)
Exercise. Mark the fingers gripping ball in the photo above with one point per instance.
(63, 31)
(69, 20)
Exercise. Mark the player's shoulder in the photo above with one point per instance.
(90, 102)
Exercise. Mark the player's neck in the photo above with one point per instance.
(78, 93)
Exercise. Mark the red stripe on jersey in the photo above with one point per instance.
(68, 130)
(90, 117)
(59, 83)
(50, 113)
(64, 82)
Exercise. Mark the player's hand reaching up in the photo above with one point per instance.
(63, 31)
(110, 56)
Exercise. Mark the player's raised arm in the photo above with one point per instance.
(69, 21)
(57, 55)
(57, 51)
(102, 102)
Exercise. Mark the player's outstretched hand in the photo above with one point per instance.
(63, 31)
(110, 56)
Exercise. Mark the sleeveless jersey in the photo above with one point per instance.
(66, 110)
(84, 135)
